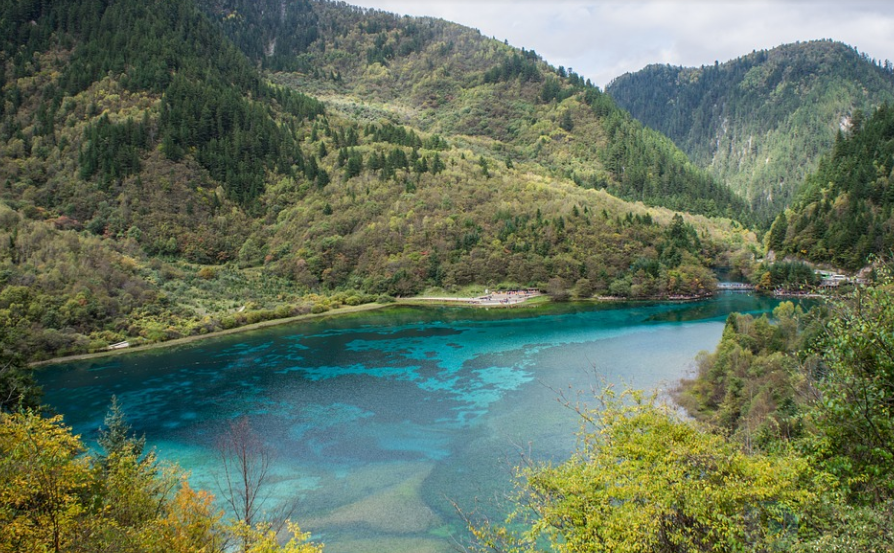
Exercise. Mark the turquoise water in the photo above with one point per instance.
(380, 422)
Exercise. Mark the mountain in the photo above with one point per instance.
(759, 123)
(844, 214)
(172, 169)
(443, 78)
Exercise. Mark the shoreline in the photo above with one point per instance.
(344, 310)
(531, 301)
(197, 337)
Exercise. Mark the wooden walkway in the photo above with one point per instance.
(736, 286)
(492, 299)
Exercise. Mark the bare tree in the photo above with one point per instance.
(244, 479)
(245, 470)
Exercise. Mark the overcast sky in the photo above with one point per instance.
(601, 40)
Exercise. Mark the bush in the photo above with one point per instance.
(645, 480)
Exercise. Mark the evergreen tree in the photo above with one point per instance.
(115, 436)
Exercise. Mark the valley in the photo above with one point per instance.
(245, 220)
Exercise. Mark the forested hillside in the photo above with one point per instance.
(156, 184)
(759, 123)
(443, 78)
(844, 214)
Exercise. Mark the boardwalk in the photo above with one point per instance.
(492, 299)
(736, 286)
(505, 298)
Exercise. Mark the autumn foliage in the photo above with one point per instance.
(55, 496)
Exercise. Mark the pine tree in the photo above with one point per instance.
(115, 436)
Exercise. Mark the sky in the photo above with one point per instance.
(601, 40)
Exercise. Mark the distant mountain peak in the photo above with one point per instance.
(759, 122)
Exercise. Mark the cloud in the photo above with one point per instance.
(604, 39)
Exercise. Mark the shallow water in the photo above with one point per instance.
(381, 421)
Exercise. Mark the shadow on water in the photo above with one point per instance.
(720, 308)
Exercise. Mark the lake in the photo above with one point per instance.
(379, 422)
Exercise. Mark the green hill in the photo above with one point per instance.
(443, 78)
(844, 214)
(760, 122)
(155, 183)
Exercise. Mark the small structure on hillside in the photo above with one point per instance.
(828, 279)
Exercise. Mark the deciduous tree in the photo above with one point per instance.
(644, 480)
(855, 416)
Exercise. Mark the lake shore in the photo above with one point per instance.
(344, 310)
(526, 301)
(190, 339)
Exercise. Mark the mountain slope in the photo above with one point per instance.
(154, 184)
(759, 122)
(846, 212)
(444, 78)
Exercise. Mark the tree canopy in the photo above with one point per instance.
(56, 497)
(844, 215)
(644, 480)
